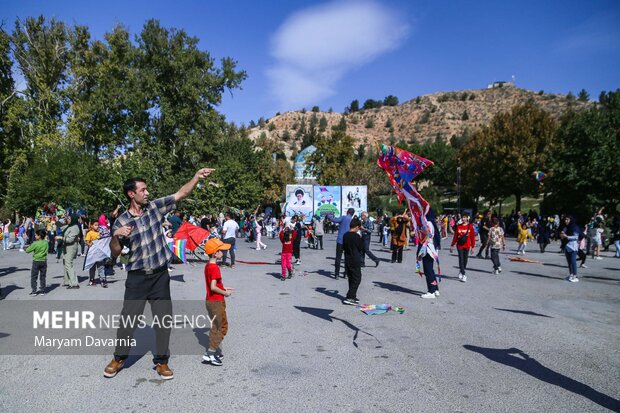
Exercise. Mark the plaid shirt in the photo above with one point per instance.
(147, 246)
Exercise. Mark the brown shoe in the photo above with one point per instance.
(112, 368)
(164, 371)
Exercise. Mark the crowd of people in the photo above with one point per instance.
(138, 244)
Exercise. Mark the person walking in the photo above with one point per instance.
(287, 235)
(344, 223)
(70, 242)
(570, 233)
(139, 229)
(353, 248)
(432, 283)
(259, 225)
(299, 227)
(39, 249)
(215, 302)
(319, 231)
(496, 241)
(465, 241)
(366, 231)
(6, 234)
(484, 228)
(398, 229)
(229, 236)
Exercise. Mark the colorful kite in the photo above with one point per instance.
(373, 309)
(283, 207)
(539, 175)
(178, 248)
(402, 168)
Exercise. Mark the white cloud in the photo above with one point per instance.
(315, 47)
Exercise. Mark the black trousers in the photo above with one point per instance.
(154, 288)
(354, 276)
(339, 251)
(230, 241)
(582, 256)
(319, 241)
(429, 273)
(484, 237)
(495, 258)
(297, 249)
(463, 255)
(39, 270)
(397, 254)
(367, 251)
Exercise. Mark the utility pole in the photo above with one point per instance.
(458, 190)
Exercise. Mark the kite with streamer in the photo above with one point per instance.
(402, 168)
(539, 175)
(178, 248)
(374, 309)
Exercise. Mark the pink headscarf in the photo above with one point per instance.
(103, 222)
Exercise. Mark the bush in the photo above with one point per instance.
(370, 123)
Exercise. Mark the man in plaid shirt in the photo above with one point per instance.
(140, 229)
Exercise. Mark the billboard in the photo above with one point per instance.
(299, 201)
(356, 197)
(327, 200)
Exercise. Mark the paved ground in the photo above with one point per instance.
(522, 341)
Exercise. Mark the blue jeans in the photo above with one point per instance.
(5, 241)
(617, 244)
(571, 258)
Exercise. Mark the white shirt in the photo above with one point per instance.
(230, 229)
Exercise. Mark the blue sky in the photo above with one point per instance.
(327, 53)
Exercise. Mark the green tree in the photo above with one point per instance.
(353, 107)
(370, 123)
(322, 124)
(465, 116)
(583, 96)
(583, 165)
(500, 158)
(315, 109)
(390, 100)
(333, 160)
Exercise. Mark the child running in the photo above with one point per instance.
(286, 237)
(99, 267)
(215, 303)
(496, 241)
(39, 250)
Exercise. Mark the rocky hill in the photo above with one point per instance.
(444, 114)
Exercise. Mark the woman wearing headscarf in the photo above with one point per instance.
(70, 242)
(570, 234)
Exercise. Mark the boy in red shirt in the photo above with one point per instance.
(465, 240)
(216, 305)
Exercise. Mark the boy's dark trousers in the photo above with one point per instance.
(397, 254)
(297, 249)
(139, 288)
(38, 267)
(495, 258)
(339, 251)
(463, 255)
(484, 237)
(319, 242)
(354, 276)
(429, 273)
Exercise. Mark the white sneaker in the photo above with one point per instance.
(464, 279)
(583, 266)
(21, 249)
(264, 247)
(258, 249)
(574, 279)
(499, 269)
(436, 293)
(460, 276)
(598, 258)
(428, 295)
(496, 272)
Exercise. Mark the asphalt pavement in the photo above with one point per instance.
(522, 341)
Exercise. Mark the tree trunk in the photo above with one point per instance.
(517, 201)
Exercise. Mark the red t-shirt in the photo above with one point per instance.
(212, 272)
(471, 238)
(287, 247)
